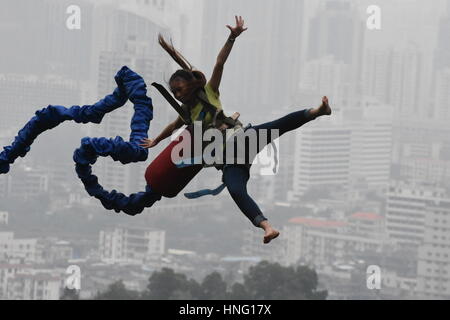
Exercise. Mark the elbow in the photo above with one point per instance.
(220, 63)
(176, 125)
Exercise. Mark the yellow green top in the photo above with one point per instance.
(213, 98)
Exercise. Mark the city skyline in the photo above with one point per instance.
(366, 184)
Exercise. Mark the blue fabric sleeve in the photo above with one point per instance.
(129, 86)
(120, 150)
(51, 116)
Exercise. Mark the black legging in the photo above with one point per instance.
(236, 176)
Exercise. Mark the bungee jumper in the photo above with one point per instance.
(165, 177)
(201, 102)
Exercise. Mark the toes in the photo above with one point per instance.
(270, 237)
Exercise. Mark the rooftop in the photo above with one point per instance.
(318, 223)
(366, 216)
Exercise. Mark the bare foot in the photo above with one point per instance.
(325, 108)
(270, 234)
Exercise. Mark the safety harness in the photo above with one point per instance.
(218, 116)
(219, 119)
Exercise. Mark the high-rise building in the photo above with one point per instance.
(4, 215)
(354, 145)
(407, 210)
(433, 267)
(130, 244)
(39, 286)
(371, 154)
(440, 69)
(23, 281)
(327, 76)
(371, 144)
(376, 74)
(441, 110)
(417, 217)
(11, 247)
(262, 72)
(22, 95)
(321, 241)
(393, 76)
(323, 154)
(442, 51)
(420, 138)
(406, 71)
(26, 182)
(36, 39)
(3, 186)
(426, 170)
(337, 30)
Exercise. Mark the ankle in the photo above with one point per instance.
(265, 225)
(313, 113)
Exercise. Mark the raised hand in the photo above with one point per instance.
(148, 143)
(239, 28)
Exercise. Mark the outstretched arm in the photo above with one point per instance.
(225, 52)
(167, 132)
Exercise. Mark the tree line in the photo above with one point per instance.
(264, 281)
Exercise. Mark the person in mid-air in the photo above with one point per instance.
(191, 88)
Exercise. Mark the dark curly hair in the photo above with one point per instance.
(195, 78)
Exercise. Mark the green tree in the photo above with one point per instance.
(264, 281)
(69, 294)
(213, 287)
(166, 285)
(195, 289)
(238, 292)
(271, 281)
(117, 291)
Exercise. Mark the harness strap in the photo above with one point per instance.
(274, 146)
(205, 192)
(231, 122)
(207, 107)
(217, 115)
(182, 112)
(219, 189)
